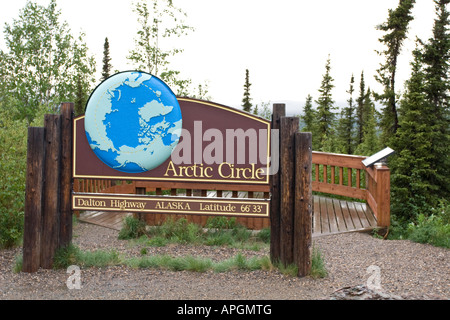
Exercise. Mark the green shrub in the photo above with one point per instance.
(220, 223)
(66, 256)
(13, 166)
(241, 233)
(219, 238)
(431, 229)
(180, 231)
(264, 235)
(133, 228)
(13, 158)
(11, 227)
(158, 241)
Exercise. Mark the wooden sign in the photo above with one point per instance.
(172, 205)
(218, 144)
(135, 128)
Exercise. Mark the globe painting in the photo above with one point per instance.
(133, 121)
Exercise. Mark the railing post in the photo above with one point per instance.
(383, 200)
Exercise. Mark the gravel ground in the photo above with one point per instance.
(408, 270)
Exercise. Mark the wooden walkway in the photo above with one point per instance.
(330, 216)
(333, 216)
(112, 220)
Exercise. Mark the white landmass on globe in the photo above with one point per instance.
(141, 153)
(135, 79)
(96, 128)
(154, 109)
(176, 129)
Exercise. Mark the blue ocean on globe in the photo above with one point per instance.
(133, 121)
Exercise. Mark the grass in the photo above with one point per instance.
(195, 264)
(72, 255)
(220, 233)
(318, 269)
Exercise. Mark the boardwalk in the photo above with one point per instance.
(330, 216)
(337, 216)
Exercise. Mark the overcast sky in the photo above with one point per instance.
(283, 43)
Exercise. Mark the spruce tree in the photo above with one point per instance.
(325, 107)
(436, 59)
(346, 123)
(309, 115)
(106, 71)
(246, 104)
(420, 166)
(360, 110)
(411, 171)
(255, 110)
(395, 29)
(309, 118)
(370, 141)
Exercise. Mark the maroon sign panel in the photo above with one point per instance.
(218, 144)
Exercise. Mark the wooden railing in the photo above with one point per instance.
(345, 175)
(92, 185)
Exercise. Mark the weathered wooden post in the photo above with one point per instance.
(48, 207)
(289, 126)
(52, 170)
(303, 203)
(65, 230)
(279, 110)
(291, 195)
(33, 200)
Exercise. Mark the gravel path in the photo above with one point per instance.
(409, 270)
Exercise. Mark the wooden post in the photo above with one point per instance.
(65, 231)
(50, 231)
(33, 200)
(303, 203)
(383, 199)
(289, 126)
(279, 110)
